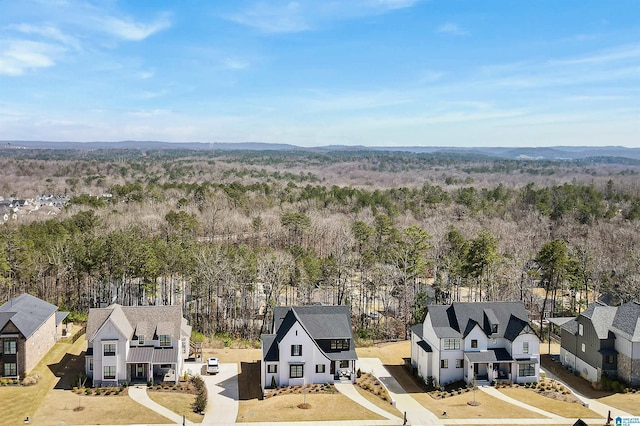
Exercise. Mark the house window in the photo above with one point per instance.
(344, 363)
(272, 368)
(10, 347)
(90, 364)
(494, 328)
(109, 349)
(319, 368)
(581, 329)
(296, 371)
(525, 370)
(450, 344)
(444, 363)
(109, 372)
(459, 363)
(10, 369)
(609, 359)
(583, 347)
(340, 344)
(296, 350)
(165, 340)
(525, 347)
(474, 343)
(141, 339)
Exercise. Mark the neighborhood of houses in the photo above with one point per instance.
(14, 208)
(479, 343)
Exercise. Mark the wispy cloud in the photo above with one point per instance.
(273, 18)
(19, 56)
(620, 53)
(235, 64)
(451, 28)
(129, 29)
(46, 31)
(277, 16)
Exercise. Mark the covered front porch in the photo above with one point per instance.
(149, 364)
(343, 369)
(486, 366)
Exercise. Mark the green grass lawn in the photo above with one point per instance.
(18, 402)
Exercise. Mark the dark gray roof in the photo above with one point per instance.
(322, 322)
(425, 346)
(60, 316)
(152, 355)
(27, 313)
(492, 355)
(149, 321)
(269, 350)
(417, 330)
(571, 326)
(458, 319)
(601, 317)
(627, 321)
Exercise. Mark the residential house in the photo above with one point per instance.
(136, 343)
(603, 340)
(308, 344)
(29, 327)
(483, 341)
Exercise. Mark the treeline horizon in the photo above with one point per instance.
(231, 235)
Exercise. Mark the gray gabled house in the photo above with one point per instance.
(29, 327)
(479, 341)
(308, 344)
(603, 340)
(136, 343)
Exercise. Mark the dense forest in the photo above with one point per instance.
(231, 234)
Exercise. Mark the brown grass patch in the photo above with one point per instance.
(284, 408)
(61, 405)
(385, 405)
(179, 403)
(555, 406)
(628, 402)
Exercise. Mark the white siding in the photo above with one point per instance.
(109, 333)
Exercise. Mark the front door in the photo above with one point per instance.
(475, 369)
(139, 374)
(333, 367)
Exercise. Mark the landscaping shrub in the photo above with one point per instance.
(201, 397)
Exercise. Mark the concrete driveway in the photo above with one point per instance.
(222, 388)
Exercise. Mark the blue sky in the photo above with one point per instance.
(311, 72)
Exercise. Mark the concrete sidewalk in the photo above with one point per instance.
(416, 413)
(139, 395)
(349, 390)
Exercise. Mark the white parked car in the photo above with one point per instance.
(213, 367)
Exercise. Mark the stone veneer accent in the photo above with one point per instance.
(625, 369)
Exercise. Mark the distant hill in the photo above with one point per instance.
(589, 153)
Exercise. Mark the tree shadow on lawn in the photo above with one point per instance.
(68, 370)
(249, 381)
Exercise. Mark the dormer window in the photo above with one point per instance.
(494, 328)
(164, 340)
(141, 339)
(340, 344)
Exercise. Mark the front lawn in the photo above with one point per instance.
(561, 408)
(179, 403)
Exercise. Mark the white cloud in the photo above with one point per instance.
(18, 56)
(47, 31)
(451, 28)
(235, 64)
(396, 4)
(145, 75)
(270, 18)
(149, 113)
(128, 29)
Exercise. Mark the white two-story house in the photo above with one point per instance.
(484, 341)
(308, 344)
(136, 344)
